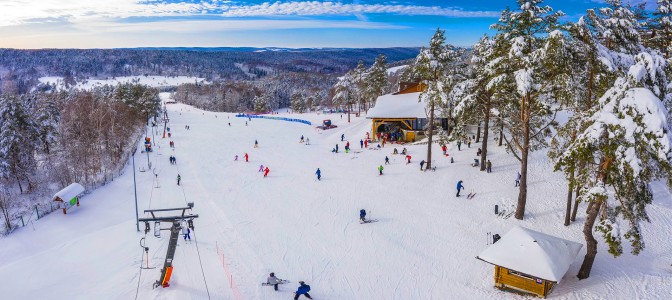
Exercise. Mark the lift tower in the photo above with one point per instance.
(176, 226)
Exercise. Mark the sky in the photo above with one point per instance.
(34, 24)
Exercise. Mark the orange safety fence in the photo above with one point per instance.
(225, 266)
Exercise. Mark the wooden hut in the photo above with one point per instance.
(530, 262)
(69, 196)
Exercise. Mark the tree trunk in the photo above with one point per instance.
(570, 190)
(576, 204)
(478, 133)
(430, 136)
(591, 242)
(501, 134)
(522, 194)
(486, 128)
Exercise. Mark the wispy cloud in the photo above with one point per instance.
(16, 12)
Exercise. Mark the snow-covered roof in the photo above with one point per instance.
(68, 192)
(533, 253)
(398, 106)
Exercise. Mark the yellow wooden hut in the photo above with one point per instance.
(527, 261)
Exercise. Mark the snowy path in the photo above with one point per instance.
(423, 246)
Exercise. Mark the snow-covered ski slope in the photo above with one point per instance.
(423, 246)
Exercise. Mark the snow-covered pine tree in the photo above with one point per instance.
(17, 142)
(534, 60)
(438, 67)
(47, 118)
(358, 86)
(376, 81)
(625, 147)
(261, 103)
(661, 28)
(298, 103)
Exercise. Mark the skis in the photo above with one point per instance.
(506, 215)
(368, 221)
(280, 281)
(471, 195)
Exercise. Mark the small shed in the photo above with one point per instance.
(69, 196)
(529, 261)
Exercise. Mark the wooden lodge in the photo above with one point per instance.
(68, 196)
(530, 262)
(401, 112)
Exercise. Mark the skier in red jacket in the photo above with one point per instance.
(266, 171)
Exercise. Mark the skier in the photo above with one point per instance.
(395, 151)
(387, 160)
(261, 168)
(301, 140)
(336, 148)
(319, 174)
(366, 142)
(469, 143)
(459, 144)
(302, 290)
(179, 178)
(451, 160)
(266, 171)
(422, 164)
(444, 148)
(408, 159)
(459, 187)
(236, 158)
(488, 166)
(478, 153)
(380, 169)
(347, 145)
(362, 215)
(246, 157)
(245, 123)
(518, 179)
(229, 124)
(272, 280)
(307, 141)
(256, 144)
(186, 232)
(342, 137)
(361, 143)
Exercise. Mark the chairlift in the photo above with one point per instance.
(157, 229)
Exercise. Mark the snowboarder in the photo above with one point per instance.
(266, 171)
(246, 157)
(459, 144)
(362, 215)
(235, 158)
(422, 164)
(387, 160)
(342, 137)
(518, 179)
(476, 163)
(404, 151)
(301, 141)
(488, 166)
(459, 187)
(179, 178)
(256, 144)
(361, 143)
(395, 151)
(302, 290)
(380, 169)
(408, 159)
(444, 148)
(319, 174)
(272, 280)
(186, 232)
(261, 168)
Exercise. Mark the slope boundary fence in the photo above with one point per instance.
(232, 283)
(274, 118)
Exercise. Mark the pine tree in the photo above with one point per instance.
(661, 28)
(376, 81)
(358, 86)
(534, 60)
(625, 147)
(298, 102)
(17, 142)
(261, 103)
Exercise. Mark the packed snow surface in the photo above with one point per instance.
(424, 245)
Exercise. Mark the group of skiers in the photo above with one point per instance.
(303, 288)
(173, 160)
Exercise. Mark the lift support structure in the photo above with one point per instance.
(176, 226)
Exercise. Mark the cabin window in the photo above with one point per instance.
(511, 272)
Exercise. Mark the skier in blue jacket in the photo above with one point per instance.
(318, 173)
(302, 290)
(459, 187)
(362, 215)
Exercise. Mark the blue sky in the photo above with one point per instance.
(257, 23)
